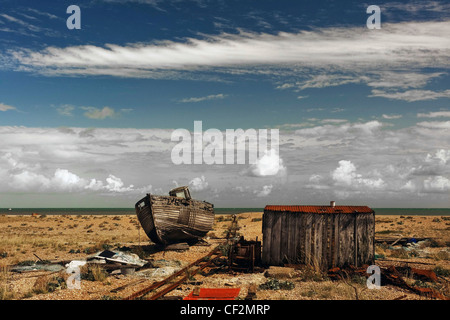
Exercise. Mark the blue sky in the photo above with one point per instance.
(363, 113)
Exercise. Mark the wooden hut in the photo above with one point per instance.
(327, 236)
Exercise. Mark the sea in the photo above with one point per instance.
(131, 211)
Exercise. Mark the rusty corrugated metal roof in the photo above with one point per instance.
(319, 209)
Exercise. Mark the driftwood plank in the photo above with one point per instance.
(308, 227)
(366, 236)
(276, 240)
(360, 226)
(346, 243)
(292, 241)
(325, 241)
(267, 237)
(284, 241)
(301, 237)
(371, 237)
(336, 239)
(318, 238)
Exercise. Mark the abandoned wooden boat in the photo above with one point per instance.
(175, 218)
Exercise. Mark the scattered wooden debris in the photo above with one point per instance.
(41, 265)
(279, 272)
(244, 255)
(407, 262)
(399, 240)
(184, 273)
(394, 276)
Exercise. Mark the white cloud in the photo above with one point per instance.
(5, 107)
(346, 175)
(436, 114)
(61, 181)
(293, 126)
(27, 181)
(285, 86)
(327, 80)
(94, 185)
(316, 178)
(96, 113)
(67, 160)
(411, 95)
(65, 110)
(115, 184)
(198, 183)
(398, 56)
(353, 49)
(417, 6)
(20, 22)
(48, 15)
(199, 99)
(386, 177)
(434, 124)
(266, 190)
(335, 121)
(409, 186)
(329, 131)
(400, 79)
(270, 164)
(437, 184)
(392, 116)
(92, 112)
(433, 164)
(442, 155)
(65, 181)
(382, 164)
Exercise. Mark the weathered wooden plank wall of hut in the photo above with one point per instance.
(324, 236)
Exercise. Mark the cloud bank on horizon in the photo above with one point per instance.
(352, 162)
(363, 114)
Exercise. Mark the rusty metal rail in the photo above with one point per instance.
(201, 263)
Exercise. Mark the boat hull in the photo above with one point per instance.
(168, 219)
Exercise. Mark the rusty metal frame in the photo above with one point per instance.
(216, 251)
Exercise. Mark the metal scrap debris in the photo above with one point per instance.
(108, 256)
(244, 255)
(27, 266)
(394, 276)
